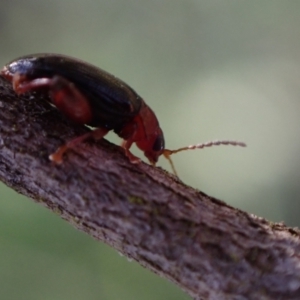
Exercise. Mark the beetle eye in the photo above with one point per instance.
(159, 144)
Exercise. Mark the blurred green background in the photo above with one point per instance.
(209, 69)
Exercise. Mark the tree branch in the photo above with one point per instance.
(209, 249)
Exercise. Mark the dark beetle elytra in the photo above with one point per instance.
(91, 96)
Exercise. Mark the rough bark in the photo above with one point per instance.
(209, 249)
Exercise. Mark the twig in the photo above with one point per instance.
(209, 249)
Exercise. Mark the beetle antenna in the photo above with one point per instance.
(167, 153)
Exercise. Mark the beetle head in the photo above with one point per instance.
(148, 134)
(155, 146)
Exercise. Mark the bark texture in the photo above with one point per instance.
(209, 249)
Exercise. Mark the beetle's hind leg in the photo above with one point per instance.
(63, 93)
(67, 99)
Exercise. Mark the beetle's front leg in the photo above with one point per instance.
(126, 144)
(129, 134)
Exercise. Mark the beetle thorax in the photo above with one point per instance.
(150, 137)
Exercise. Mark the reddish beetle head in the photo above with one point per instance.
(150, 139)
(148, 135)
(154, 146)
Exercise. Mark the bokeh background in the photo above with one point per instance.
(209, 69)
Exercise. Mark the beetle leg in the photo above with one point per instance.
(96, 134)
(126, 144)
(22, 85)
(64, 95)
(129, 134)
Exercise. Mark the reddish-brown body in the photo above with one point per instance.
(88, 95)
(91, 96)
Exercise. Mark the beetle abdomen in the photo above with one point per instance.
(113, 102)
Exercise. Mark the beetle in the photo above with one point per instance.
(90, 96)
